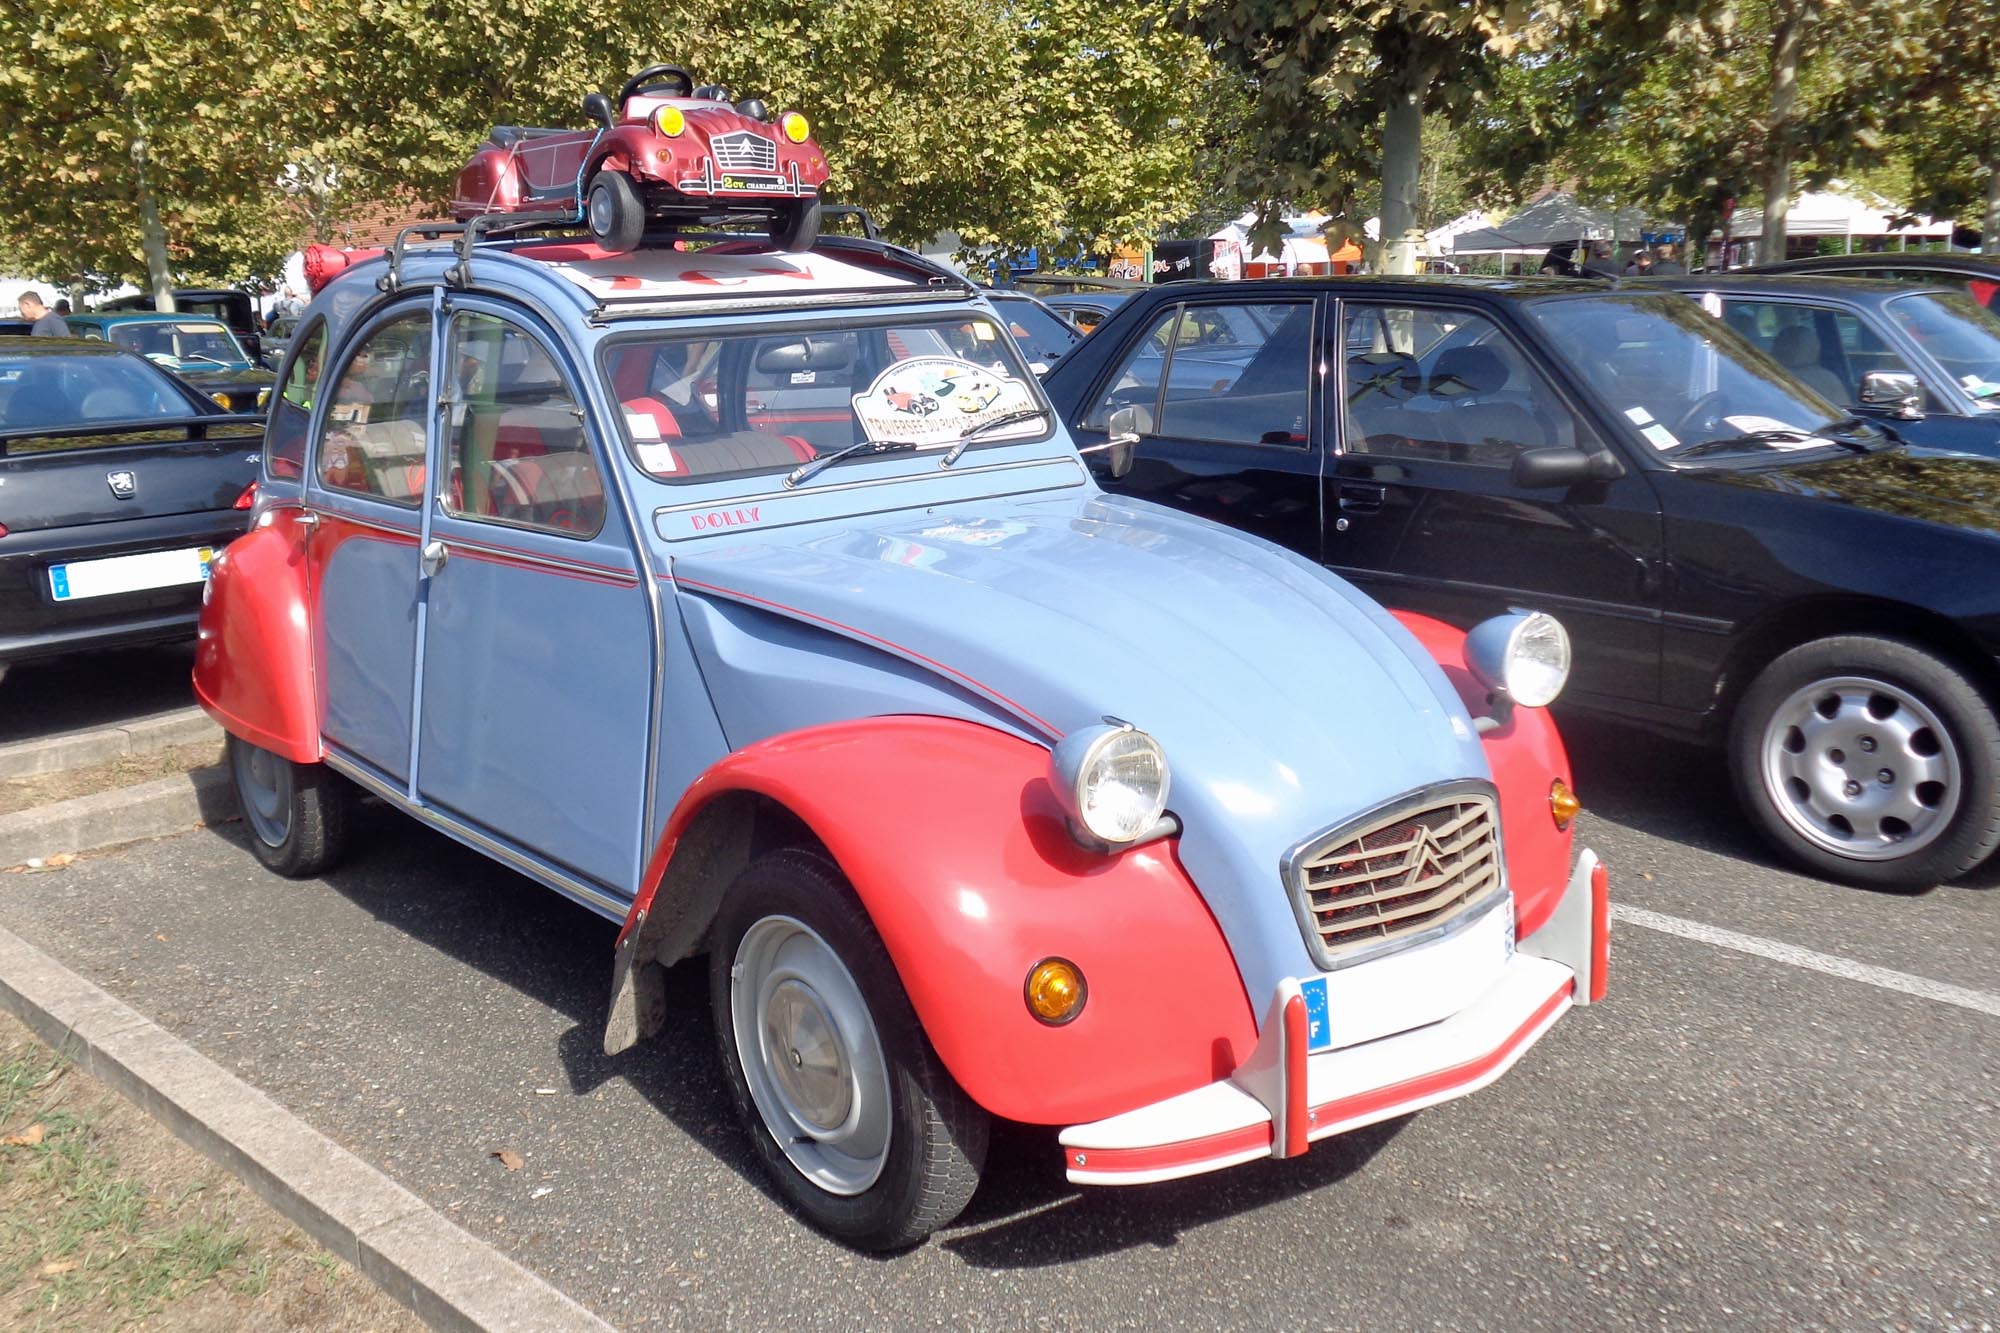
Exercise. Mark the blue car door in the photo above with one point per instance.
(538, 644)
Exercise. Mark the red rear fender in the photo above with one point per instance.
(955, 845)
(253, 665)
(1526, 756)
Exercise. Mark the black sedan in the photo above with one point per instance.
(118, 483)
(1736, 560)
(1925, 360)
(1979, 275)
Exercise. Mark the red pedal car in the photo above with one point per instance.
(669, 152)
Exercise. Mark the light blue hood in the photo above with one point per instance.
(1286, 701)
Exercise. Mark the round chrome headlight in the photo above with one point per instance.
(1522, 656)
(1113, 778)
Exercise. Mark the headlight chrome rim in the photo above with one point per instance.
(1077, 772)
(1523, 657)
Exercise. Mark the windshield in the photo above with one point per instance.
(40, 392)
(183, 340)
(705, 406)
(1685, 383)
(1960, 336)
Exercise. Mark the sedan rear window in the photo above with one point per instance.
(40, 392)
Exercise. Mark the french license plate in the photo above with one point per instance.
(129, 573)
(1469, 946)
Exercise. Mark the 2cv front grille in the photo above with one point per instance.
(1402, 873)
(743, 150)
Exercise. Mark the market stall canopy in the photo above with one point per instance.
(1841, 212)
(1303, 243)
(1554, 218)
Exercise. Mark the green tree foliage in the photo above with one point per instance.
(139, 144)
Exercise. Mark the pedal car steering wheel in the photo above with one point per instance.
(647, 80)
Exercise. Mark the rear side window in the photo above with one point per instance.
(285, 436)
(374, 436)
(515, 448)
(1220, 373)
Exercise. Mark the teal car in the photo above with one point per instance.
(201, 350)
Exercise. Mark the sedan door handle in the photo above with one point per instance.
(1360, 499)
(433, 557)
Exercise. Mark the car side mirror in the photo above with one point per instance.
(1898, 391)
(598, 107)
(1546, 469)
(1126, 425)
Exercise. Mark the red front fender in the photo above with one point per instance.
(253, 663)
(956, 846)
(1526, 755)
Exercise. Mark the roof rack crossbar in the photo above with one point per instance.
(469, 234)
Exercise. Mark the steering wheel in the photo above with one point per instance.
(1702, 411)
(647, 80)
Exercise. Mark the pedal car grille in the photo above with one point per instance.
(1399, 875)
(744, 151)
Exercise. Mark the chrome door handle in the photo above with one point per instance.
(433, 557)
(307, 519)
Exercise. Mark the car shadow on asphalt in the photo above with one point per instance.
(106, 689)
(1026, 1214)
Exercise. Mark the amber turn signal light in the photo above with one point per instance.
(1563, 803)
(1055, 991)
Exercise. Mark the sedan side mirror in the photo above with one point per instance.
(598, 107)
(1898, 391)
(1547, 469)
(1126, 425)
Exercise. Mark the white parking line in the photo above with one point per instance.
(1922, 987)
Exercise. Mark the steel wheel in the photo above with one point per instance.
(810, 1055)
(264, 786)
(1862, 768)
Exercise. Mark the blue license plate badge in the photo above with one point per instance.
(1319, 1032)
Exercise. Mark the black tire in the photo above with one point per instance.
(1953, 744)
(936, 1135)
(615, 212)
(796, 226)
(296, 814)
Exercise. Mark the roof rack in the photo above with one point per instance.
(483, 227)
(938, 283)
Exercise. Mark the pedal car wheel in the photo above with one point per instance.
(616, 213)
(1870, 760)
(796, 226)
(840, 1092)
(296, 813)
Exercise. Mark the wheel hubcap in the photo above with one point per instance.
(600, 212)
(1862, 768)
(810, 1055)
(264, 786)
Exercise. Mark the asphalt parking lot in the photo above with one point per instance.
(1787, 1114)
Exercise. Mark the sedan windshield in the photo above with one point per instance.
(1961, 336)
(47, 392)
(195, 342)
(1687, 384)
(713, 405)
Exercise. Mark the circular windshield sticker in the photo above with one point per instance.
(936, 399)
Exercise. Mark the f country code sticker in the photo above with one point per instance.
(1319, 1032)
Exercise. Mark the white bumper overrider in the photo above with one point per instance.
(1282, 1098)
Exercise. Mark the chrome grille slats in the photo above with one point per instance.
(1401, 874)
(744, 150)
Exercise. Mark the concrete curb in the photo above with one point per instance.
(100, 745)
(451, 1279)
(172, 804)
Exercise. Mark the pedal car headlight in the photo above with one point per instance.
(1522, 656)
(795, 127)
(670, 121)
(1113, 779)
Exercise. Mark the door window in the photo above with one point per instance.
(1222, 373)
(374, 436)
(515, 451)
(1825, 349)
(1447, 385)
(285, 437)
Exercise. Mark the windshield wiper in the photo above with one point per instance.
(1789, 435)
(1863, 426)
(197, 356)
(804, 470)
(1005, 419)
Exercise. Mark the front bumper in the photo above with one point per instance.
(1281, 1098)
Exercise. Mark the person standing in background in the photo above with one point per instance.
(1669, 261)
(47, 323)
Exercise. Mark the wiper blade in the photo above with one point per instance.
(805, 470)
(1005, 419)
(1749, 437)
